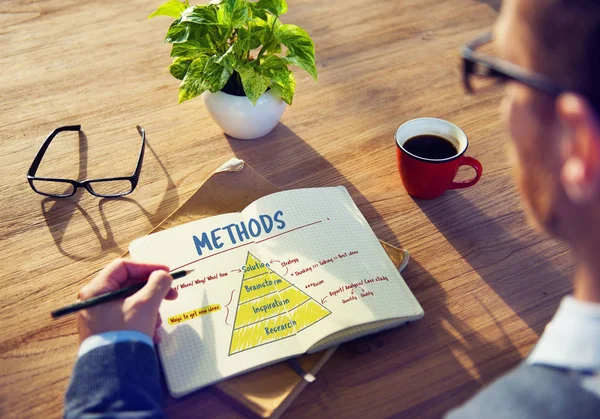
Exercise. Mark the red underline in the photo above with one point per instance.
(245, 244)
(286, 232)
(209, 256)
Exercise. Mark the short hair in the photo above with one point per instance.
(566, 36)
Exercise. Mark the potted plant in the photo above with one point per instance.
(232, 53)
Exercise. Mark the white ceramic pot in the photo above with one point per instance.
(237, 117)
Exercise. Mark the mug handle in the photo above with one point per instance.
(468, 161)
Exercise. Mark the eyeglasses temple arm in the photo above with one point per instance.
(138, 168)
(466, 52)
(477, 42)
(40, 154)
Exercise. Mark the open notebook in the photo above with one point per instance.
(294, 272)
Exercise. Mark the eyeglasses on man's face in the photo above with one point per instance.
(62, 188)
(482, 70)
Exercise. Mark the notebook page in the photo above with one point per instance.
(337, 274)
(198, 346)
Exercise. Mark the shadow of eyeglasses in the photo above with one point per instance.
(59, 214)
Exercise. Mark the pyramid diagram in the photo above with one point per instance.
(270, 308)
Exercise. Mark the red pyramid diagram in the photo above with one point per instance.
(270, 308)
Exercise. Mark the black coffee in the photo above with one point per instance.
(430, 147)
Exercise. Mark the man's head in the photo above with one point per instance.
(557, 140)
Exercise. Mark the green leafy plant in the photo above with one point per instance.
(235, 46)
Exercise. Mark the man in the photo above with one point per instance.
(552, 110)
(116, 374)
(556, 136)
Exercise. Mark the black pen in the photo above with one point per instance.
(109, 296)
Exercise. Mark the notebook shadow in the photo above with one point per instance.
(499, 258)
(273, 154)
(437, 351)
(461, 354)
(60, 212)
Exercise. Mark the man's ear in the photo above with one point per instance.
(580, 172)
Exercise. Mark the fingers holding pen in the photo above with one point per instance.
(117, 274)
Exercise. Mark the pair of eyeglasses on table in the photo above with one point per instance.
(111, 187)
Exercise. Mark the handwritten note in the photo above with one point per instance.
(180, 318)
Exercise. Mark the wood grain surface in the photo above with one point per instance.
(487, 281)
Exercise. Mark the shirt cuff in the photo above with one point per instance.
(110, 338)
(572, 339)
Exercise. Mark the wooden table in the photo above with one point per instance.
(487, 281)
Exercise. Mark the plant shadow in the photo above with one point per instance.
(273, 153)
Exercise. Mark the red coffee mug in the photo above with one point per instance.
(429, 178)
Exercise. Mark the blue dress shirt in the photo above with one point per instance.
(571, 341)
(110, 338)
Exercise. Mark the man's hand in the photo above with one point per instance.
(137, 312)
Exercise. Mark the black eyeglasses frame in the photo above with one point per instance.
(483, 65)
(87, 184)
